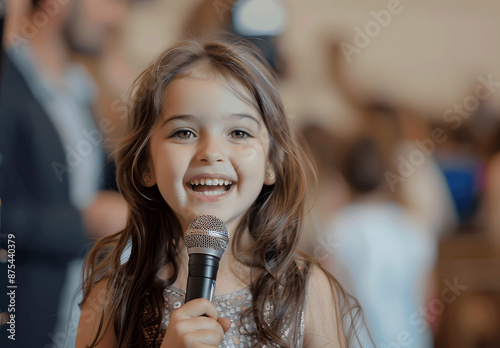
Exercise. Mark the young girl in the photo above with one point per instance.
(209, 135)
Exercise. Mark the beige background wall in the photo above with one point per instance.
(427, 57)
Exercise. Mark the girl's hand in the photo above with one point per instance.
(188, 328)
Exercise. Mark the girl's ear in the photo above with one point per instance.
(270, 177)
(148, 177)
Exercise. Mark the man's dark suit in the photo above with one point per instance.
(35, 208)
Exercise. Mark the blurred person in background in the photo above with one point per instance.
(491, 200)
(462, 164)
(422, 188)
(382, 251)
(467, 161)
(261, 22)
(52, 159)
(328, 191)
(110, 69)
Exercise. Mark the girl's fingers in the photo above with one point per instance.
(209, 337)
(205, 307)
(196, 324)
(196, 308)
(225, 323)
(201, 324)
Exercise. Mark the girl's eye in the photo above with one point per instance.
(239, 134)
(183, 134)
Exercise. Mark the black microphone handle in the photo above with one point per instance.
(201, 278)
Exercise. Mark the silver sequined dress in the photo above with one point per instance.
(231, 306)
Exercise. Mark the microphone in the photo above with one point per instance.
(206, 239)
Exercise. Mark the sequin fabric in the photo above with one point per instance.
(229, 306)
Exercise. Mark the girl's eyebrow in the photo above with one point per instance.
(246, 116)
(191, 117)
(178, 117)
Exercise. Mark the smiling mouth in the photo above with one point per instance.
(210, 187)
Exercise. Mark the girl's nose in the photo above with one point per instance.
(210, 150)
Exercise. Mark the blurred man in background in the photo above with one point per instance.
(52, 161)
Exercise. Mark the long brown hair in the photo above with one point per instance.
(274, 220)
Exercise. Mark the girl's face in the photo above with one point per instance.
(208, 152)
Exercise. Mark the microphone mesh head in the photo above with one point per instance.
(208, 233)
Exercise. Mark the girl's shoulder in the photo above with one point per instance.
(322, 286)
(324, 310)
(93, 319)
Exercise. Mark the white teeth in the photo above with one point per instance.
(211, 182)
